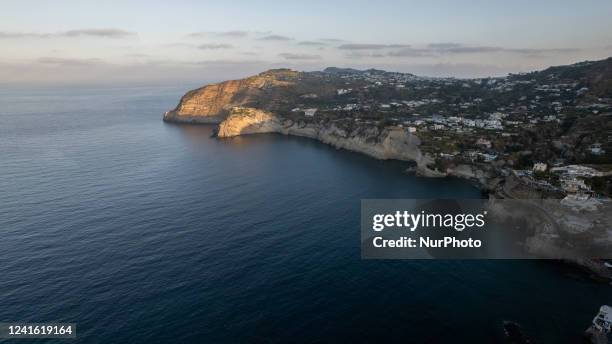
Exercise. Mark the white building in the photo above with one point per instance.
(493, 124)
(438, 127)
(573, 185)
(539, 167)
(469, 122)
(488, 157)
(483, 142)
(309, 96)
(603, 320)
(577, 171)
(310, 112)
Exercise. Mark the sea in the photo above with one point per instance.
(140, 231)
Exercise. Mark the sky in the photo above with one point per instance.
(161, 42)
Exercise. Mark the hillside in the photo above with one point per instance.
(594, 75)
(474, 128)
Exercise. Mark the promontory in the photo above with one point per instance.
(547, 132)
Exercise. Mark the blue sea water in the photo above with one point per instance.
(141, 231)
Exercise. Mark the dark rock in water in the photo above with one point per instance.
(594, 336)
(514, 333)
(411, 170)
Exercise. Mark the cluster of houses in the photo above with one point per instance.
(374, 78)
(571, 178)
(536, 100)
(440, 109)
(462, 124)
(308, 112)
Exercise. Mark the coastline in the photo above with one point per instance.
(389, 143)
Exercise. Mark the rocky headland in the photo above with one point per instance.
(362, 111)
(400, 116)
(260, 104)
(212, 103)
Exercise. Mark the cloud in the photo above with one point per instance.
(214, 46)
(361, 54)
(441, 49)
(444, 45)
(205, 46)
(108, 33)
(138, 55)
(234, 34)
(411, 52)
(312, 43)
(290, 56)
(226, 34)
(332, 40)
(179, 45)
(104, 33)
(544, 51)
(275, 38)
(371, 46)
(470, 49)
(454, 48)
(23, 35)
(69, 62)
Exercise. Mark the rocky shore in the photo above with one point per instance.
(384, 144)
(389, 143)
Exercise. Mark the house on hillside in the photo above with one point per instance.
(310, 112)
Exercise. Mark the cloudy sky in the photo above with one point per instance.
(170, 41)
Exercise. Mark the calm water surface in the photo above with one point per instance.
(141, 231)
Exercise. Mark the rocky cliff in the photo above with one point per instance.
(263, 103)
(483, 176)
(212, 103)
(386, 143)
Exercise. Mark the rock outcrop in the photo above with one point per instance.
(212, 103)
(259, 104)
(243, 121)
(482, 175)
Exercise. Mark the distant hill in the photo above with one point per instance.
(372, 71)
(594, 75)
